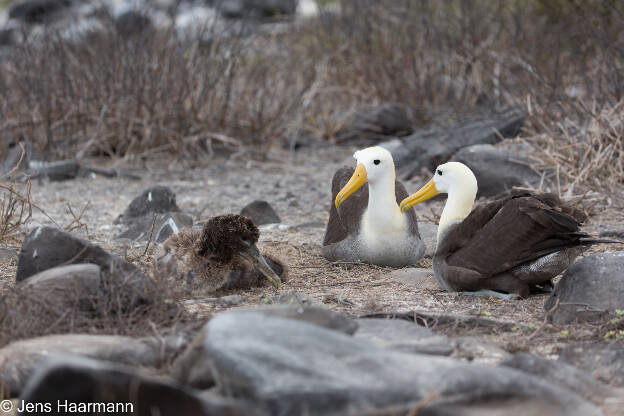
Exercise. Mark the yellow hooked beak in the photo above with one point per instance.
(357, 180)
(423, 194)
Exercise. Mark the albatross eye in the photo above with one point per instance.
(439, 172)
(376, 161)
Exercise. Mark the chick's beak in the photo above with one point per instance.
(358, 179)
(423, 194)
(254, 256)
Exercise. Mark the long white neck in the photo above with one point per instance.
(383, 211)
(458, 206)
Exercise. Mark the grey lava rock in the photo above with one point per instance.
(47, 247)
(7, 36)
(603, 361)
(61, 170)
(81, 380)
(566, 376)
(157, 199)
(497, 169)
(619, 234)
(34, 165)
(402, 335)
(193, 366)
(19, 158)
(372, 125)
(164, 225)
(260, 212)
(436, 144)
(38, 11)
(590, 290)
(255, 8)
(22, 358)
(75, 285)
(133, 23)
(292, 367)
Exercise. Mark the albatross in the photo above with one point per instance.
(223, 254)
(365, 223)
(506, 248)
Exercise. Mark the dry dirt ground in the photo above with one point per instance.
(298, 186)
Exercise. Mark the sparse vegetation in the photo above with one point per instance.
(120, 307)
(15, 205)
(155, 92)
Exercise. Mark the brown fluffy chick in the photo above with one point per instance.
(224, 254)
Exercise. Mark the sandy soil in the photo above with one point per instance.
(298, 186)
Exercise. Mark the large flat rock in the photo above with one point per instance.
(590, 290)
(22, 358)
(116, 389)
(292, 367)
(48, 247)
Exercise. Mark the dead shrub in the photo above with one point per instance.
(120, 307)
(15, 203)
(118, 96)
(585, 156)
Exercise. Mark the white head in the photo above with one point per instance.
(454, 179)
(374, 165)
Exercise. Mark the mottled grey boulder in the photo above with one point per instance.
(194, 366)
(437, 143)
(75, 285)
(260, 212)
(19, 158)
(617, 234)
(128, 391)
(157, 199)
(371, 125)
(591, 289)
(497, 168)
(38, 11)
(132, 23)
(58, 171)
(603, 361)
(7, 37)
(22, 358)
(402, 335)
(292, 367)
(47, 247)
(159, 228)
(255, 8)
(566, 376)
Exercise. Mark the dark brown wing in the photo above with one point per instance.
(346, 219)
(508, 232)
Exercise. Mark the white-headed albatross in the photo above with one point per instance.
(365, 223)
(512, 245)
